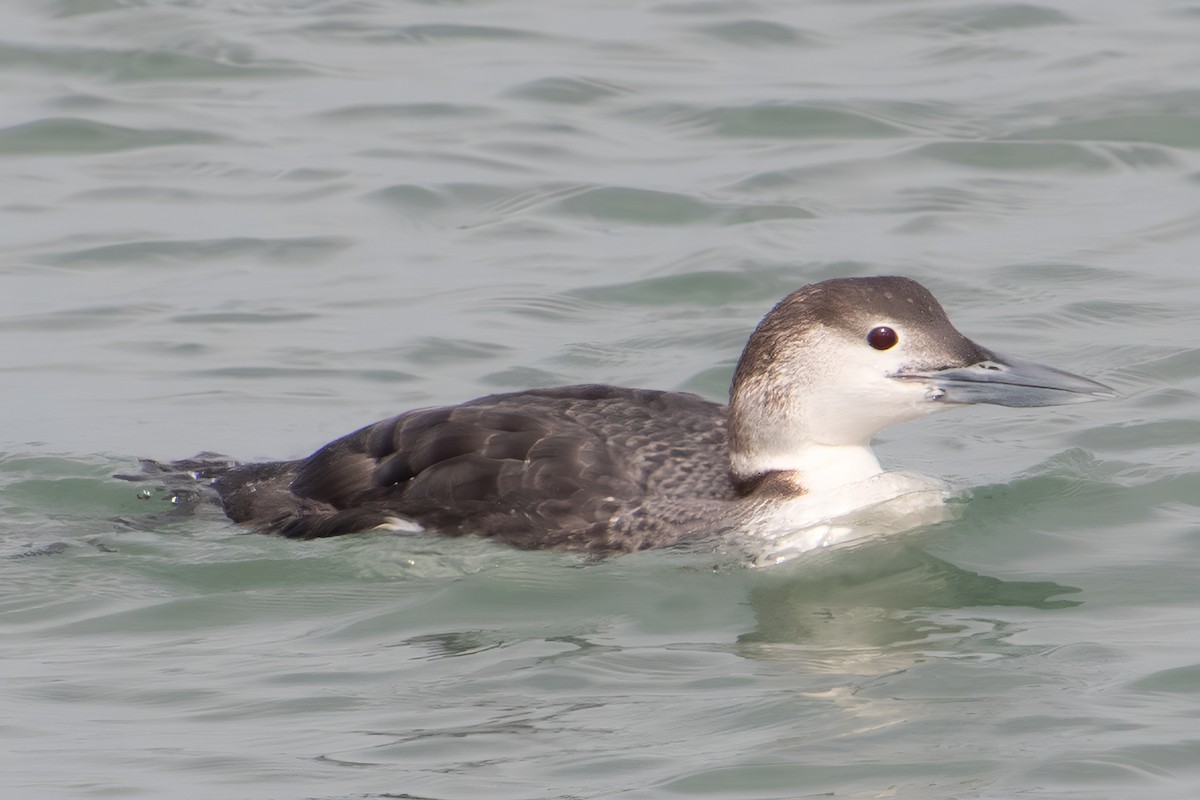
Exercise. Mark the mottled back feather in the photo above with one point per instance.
(574, 466)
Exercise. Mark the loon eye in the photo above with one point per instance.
(883, 338)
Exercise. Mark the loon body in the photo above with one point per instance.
(609, 469)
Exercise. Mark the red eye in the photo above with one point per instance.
(882, 338)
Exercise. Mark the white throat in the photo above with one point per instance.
(815, 467)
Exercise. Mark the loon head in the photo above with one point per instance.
(836, 362)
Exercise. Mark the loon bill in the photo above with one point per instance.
(608, 469)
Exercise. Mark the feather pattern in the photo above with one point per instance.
(565, 467)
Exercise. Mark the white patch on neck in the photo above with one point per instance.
(816, 467)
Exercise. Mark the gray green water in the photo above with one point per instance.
(251, 227)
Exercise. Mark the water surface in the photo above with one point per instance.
(252, 227)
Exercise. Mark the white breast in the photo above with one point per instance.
(887, 503)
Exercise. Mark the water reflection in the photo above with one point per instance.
(878, 594)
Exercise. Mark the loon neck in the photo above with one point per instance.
(773, 430)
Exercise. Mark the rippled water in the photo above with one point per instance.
(251, 227)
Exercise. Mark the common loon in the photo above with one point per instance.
(607, 469)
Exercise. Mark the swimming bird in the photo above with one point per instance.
(607, 469)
